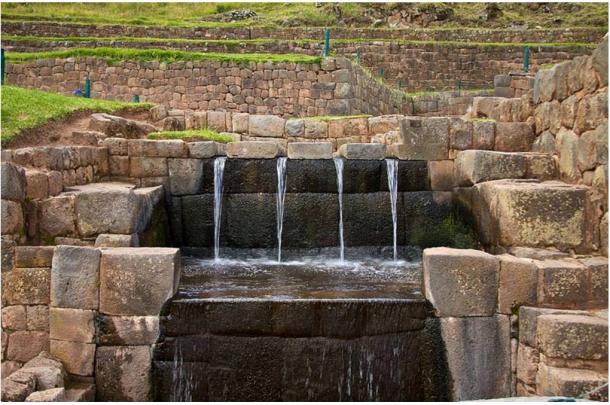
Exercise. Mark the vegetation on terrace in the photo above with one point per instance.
(24, 108)
(161, 55)
(263, 41)
(192, 135)
(457, 15)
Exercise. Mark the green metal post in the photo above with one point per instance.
(87, 88)
(358, 56)
(326, 42)
(526, 59)
(459, 87)
(381, 72)
(2, 67)
(135, 99)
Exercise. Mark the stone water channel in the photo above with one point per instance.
(320, 309)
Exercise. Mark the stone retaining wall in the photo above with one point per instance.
(479, 35)
(334, 87)
(411, 67)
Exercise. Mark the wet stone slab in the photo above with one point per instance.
(313, 329)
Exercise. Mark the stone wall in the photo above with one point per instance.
(506, 301)
(412, 66)
(479, 35)
(334, 87)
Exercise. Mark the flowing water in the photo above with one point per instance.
(219, 167)
(281, 193)
(392, 166)
(339, 168)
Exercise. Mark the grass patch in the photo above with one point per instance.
(24, 108)
(263, 41)
(192, 135)
(161, 55)
(327, 118)
(451, 232)
(562, 15)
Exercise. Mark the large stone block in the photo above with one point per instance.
(562, 284)
(422, 139)
(253, 150)
(266, 125)
(116, 240)
(127, 330)
(37, 317)
(573, 336)
(37, 184)
(33, 256)
(185, 176)
(363, 151)
(598, 277)
(527, 364)
(513, 137)
(157, 148)
(295, 127)
(140, 166)
(469, 359)
(26, 286)
(441, 175)
(25, 345)
(518, 282)
(204, 150)
(567, 382)
(75, 277)
(107, 208)
(476, 166)
(315, 129)
(75, 325)
(78, 358)
(310, 150)
(123, 373)
(592, 148)
(567, 148)
(13, 182)
(12, 217)
(528, 322)
(14, 317)
(114, 126)
(460, 282)
(137, 281)
(527, 213)
(56, 216)
(483, 134)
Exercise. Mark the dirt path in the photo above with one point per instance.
(59, 132)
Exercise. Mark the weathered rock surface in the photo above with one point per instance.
(362, 151)
(476, 274)
(527, 213)
(266, 125)
(50, 395)
(119, 127)
(573, 336)
(13, 182)
(310, 150)
(75, 277)
(123, 373)
(127, 290)
(127, 330)
(469, 359)
(78, 358)
(75, 325)
(422, 139)
(253, 150)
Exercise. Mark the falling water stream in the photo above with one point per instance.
(219, 167)
(279, 202)
(339, 168)
(392, 166)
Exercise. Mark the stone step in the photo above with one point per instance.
(573, 337)
(530, 213)
(477, 166)
(567, 381)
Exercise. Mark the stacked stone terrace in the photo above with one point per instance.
(530, 172)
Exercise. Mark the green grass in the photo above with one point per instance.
(297, 14)
(24, 108)
(161, 55)
(192, 135)
(262, 41)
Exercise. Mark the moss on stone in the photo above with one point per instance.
(453, 231)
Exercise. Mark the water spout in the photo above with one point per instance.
(339, 168)
(392, 168)
(279, 202)
(219, 168)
